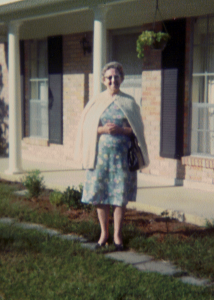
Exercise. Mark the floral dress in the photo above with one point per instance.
(111, 182)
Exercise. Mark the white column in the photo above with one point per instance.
(99, 47)
(15, 160)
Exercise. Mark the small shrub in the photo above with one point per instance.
(56, 198)
(72, 198)
(34, 183)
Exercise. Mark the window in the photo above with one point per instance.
(46, 71)
(38, 89)
(203, 87)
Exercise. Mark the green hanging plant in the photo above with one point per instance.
(156, 40)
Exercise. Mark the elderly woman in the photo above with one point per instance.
(107, 124)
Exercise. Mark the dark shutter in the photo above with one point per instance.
(22, 82)
(173, 84)
(169, 113)
(55, 89)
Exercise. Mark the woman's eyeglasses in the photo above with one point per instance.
(116, 77)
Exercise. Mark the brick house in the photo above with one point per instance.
(51, 55)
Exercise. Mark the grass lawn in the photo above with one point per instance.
(35, 266)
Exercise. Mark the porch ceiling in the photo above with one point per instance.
(50, 17)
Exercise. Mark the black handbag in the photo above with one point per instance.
(135, 157)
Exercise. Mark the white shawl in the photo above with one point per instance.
(85, 150)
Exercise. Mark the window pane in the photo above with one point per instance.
(42, 59)
(203, 143)
(198, 89)
(203, 129)
(33, 59)
(200, 31)
(35, 117)
(211, 30)
(210, 60)
(210, 89)
(34, 90)
(199, 59)
(203, 119)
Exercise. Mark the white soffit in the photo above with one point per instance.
(47, 17)
(122, 10)
(3, 2)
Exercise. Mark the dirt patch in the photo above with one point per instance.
(148, 223)
(160, 227)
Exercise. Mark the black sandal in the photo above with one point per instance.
(118, 247)
(99, 246)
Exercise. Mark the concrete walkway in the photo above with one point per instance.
(142, 262)
(154, 195)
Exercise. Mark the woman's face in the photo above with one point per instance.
(112, 81)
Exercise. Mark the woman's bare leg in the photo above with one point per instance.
(103, 216)
(119, 212)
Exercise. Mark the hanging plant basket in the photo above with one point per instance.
(159, 45)
(156, 40)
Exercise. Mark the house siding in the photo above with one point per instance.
(78, 89)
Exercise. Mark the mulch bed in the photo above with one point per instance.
(149, 223)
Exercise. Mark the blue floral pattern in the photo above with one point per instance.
(111, 182)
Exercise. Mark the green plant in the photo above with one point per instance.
(34, 183)
(149, 38)
(56, 198)
(72, 197)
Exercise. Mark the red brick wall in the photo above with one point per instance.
(151, 113)
(199, 169)
(76, 73)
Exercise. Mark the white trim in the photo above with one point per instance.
(70, 6)
(6, 2)
(202, 74)
(38, 79)
(15, 155)
(99, 46)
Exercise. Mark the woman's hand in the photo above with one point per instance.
(111, 128)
